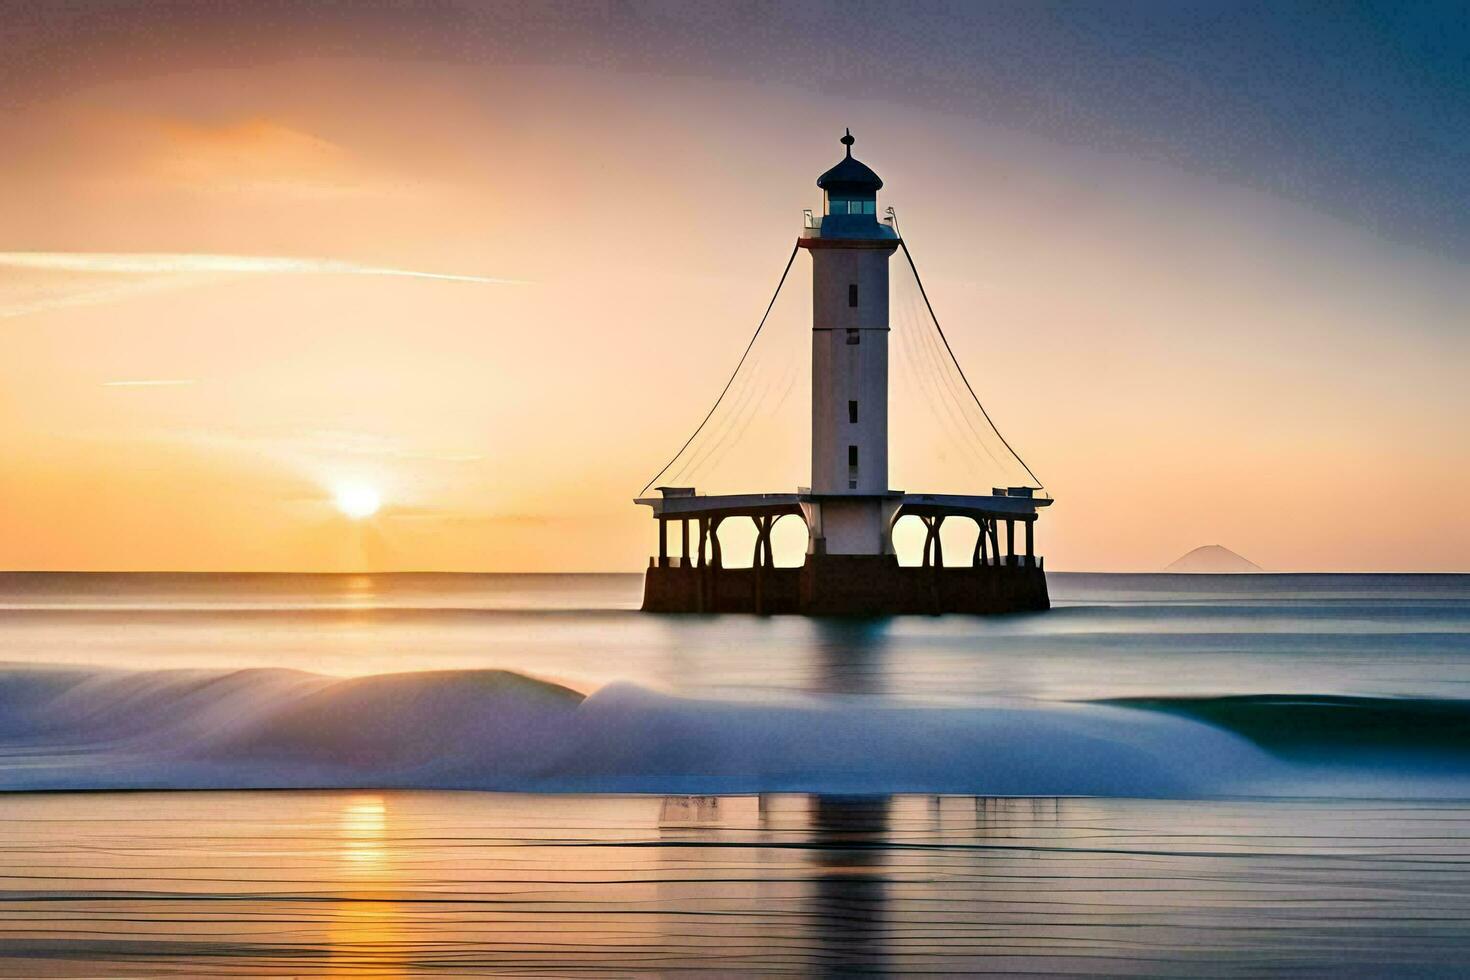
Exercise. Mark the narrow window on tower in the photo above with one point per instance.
(852, 470)
(854, 338)
(852, 294)
(852, 413)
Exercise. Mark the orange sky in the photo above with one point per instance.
(1182, 360)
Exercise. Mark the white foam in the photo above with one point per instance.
(497, 730)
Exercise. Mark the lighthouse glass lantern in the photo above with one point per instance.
(850, 198)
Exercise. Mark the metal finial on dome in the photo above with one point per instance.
(847, 141)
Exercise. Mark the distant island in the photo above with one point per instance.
(1213, 559)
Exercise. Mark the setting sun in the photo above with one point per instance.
(357, 500)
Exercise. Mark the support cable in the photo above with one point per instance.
(956, 360)
(727, 432)
(950, 399)
(705, 421)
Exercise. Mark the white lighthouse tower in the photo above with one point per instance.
(849, 506)
(850, 568)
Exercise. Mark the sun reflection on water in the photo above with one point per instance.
(362, 826)
(359, 592)
(366, 935)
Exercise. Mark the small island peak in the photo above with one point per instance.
(1213, 559)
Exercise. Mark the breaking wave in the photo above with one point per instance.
(1330, 727)
(65, 729)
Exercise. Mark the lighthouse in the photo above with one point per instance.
(850, 506)
(849, 509)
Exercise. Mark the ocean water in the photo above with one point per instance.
(414, 883)
(1181, 775)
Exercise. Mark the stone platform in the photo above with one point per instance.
(846, 585)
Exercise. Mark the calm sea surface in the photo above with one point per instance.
(1108, 635)
(1165, 775)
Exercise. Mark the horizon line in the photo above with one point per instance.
(640, 571)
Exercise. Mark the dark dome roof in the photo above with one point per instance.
(850, 175)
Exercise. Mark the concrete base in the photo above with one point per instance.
(847, 585)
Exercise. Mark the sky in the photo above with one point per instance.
(1206, 265)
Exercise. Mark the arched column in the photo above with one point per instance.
(758, 560)
(933, 544)
(761, 558)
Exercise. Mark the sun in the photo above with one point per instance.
(357, 500)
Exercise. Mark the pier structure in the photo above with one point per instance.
(849, 509)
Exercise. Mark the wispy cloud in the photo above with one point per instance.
(93, 278)
(22, 301)
(186, 263)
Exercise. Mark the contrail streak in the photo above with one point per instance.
(166, 263)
